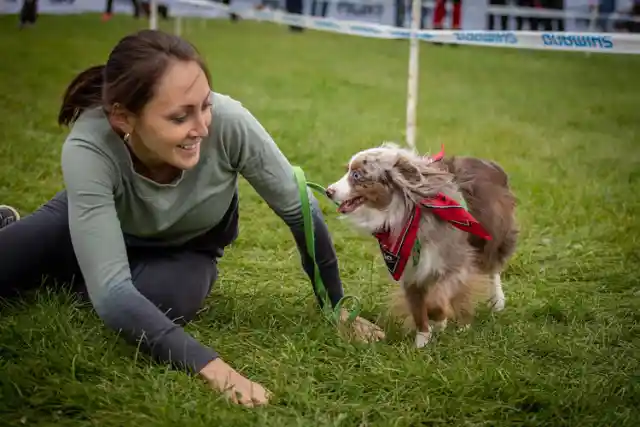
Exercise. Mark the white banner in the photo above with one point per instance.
(567, 41)
(474, 12)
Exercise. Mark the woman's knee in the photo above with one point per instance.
(178, 284)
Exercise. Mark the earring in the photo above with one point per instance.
(126, 137)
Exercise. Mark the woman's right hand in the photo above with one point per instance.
(239, 389)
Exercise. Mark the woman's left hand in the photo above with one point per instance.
(361, 329)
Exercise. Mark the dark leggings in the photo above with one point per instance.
(177, 279)
(29, 11)
(134, 3)
(504, 19)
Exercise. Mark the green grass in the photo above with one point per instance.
(565, 352)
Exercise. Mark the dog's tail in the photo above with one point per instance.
(476, 288)
(454, 298)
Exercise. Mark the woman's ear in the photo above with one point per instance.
(121, 119)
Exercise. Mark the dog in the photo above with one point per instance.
(446, 228)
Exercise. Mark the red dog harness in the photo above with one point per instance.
(396, 254)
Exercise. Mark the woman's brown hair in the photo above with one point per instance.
(129, 76)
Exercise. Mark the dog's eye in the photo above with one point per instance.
(356, 175)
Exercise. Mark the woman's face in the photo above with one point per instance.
(171, 127)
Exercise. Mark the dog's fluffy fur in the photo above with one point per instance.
(378, 192)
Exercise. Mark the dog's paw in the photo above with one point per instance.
(497, 302)
(423, 338)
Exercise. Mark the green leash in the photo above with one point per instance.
(331, 314)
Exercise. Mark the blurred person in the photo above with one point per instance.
(440, 12)
(629, 25)
(233, 16)
(504, 19)
(425, 11)
(151, 168)
(108, 12)
(404, 6)
(295, 7)
(319, 8)
(163, 10)
(605, 8)
(28, 13)
(534, 21)
(400, 12)
(547, 23)
(556, 5)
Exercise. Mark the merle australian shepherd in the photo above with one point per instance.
(445, 225)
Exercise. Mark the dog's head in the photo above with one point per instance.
(382, 184)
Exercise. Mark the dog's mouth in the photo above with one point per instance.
(350, 205)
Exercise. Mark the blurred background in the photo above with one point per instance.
(540, 15)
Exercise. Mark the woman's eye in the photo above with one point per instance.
(179, 120)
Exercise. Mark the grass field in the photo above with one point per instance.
(565, 352)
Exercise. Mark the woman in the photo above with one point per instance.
(28, 13)
(533, 20)
(108, 11)
(151, 170)
(440, 12)
(504, 19)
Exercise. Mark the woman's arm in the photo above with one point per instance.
(253, 153)
(100, 249)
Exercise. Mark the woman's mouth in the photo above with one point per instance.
(189, 147)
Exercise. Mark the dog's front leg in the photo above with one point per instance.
(417, 304)
(496, 301)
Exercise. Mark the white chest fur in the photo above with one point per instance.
(428, 263)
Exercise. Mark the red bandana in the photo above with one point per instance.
(396, 254)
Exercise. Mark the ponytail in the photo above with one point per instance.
(84, 91)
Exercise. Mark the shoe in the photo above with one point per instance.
(8, 215)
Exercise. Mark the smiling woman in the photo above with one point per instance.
(151, 169)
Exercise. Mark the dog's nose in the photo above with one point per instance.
(330, 191)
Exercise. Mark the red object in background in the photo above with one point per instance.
(440, 12)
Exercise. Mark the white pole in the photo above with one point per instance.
(412, 79)
(595, 13)
(153, 15)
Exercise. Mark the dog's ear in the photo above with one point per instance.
(406, 177)
(404, 173)
(418, 180)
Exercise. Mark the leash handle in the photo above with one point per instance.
(321, 290)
